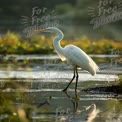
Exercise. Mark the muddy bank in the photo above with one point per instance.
(113, 89)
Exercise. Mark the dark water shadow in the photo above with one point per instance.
(113, 90)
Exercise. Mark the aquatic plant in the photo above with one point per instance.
(12, 43)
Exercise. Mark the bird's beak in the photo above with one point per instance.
(42, 30)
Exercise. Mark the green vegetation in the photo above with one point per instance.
(12, 43)
(119, 80)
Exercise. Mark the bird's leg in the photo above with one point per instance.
(69, 82)
(76, 95)
(76, 82)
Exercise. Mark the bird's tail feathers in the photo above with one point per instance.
(93, 68)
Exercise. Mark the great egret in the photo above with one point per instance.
(73, 55)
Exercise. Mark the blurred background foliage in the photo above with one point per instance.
(12, 43)
(73, 20)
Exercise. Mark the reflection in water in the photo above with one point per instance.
(47, 102)
(19, 96)
(109, 110)
(92, 112)
(75, 100)
(88, 114)
(67, 114)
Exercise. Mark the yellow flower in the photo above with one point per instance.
(24, 45)
(42, 37)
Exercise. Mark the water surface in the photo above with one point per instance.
(31, 90)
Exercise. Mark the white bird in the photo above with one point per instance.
(73, 55)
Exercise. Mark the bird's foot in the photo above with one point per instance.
(64, 90)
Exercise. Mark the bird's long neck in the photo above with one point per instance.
(56, 42)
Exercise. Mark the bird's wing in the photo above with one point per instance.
(79, 58)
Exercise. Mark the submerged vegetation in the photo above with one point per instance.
(119, 80)
(12, 43)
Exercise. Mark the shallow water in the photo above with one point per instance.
(31, 90)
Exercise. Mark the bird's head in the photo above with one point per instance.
(49, 29)
(53, 30)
